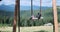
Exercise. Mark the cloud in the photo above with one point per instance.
(36, 2)
(44, 2)
(0, 3)
(28, 2)
(25, 3)
(7, 2)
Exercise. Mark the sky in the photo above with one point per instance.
(28, 2)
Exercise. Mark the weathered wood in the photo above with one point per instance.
(55, 16)
(18, 15)
(15, 16)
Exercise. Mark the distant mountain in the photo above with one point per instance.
(27, 13)
(7, 7)
(6, 13)
(12, 7)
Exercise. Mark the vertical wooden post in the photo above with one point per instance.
(18, 15)
(15, 16)
(55, 16)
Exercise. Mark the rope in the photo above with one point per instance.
(31, 7)
(40, 7)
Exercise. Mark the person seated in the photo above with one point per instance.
(37, 17)
(33, 17)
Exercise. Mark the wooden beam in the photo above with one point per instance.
(15, 16)
(18, 15)
(55, 16)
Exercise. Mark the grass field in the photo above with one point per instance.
(29, 29)
(37, 28)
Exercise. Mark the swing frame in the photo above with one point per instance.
(32, 15)
(54, 12)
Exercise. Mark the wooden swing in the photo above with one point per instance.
(54, 10)
(39, 14)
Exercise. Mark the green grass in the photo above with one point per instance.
(4, 25)
(36, 29)
(5, 31)
(30, 29)
(41, 31)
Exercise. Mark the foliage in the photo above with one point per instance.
(25, 15)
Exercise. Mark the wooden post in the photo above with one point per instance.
(15, 16)
(55, 16)
(18, 15)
